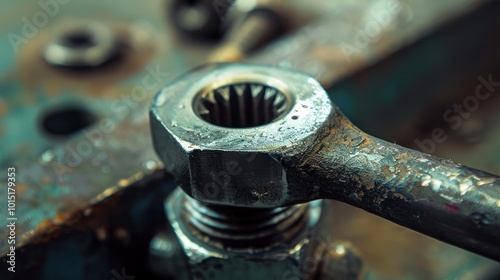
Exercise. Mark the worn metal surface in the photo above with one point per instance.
(59, 181)
(246, 230)
(320, 154)
(230, 166)
(437, 197)
(29, 87)
(312, 49)
(297, 257)
(108, 239)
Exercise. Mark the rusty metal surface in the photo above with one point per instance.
(177, 58)
(314, 152)
(223, 165)
(58, 176)
(84, 171)
(330, 47)
(437, 197)
(376, 91)
(101, 241)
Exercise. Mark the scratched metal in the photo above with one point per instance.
(317, 153)
(31, 87)
(80, 172)
(236, 166)
(54, 174)
(454, 203)
(177, 59)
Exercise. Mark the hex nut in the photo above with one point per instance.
(222, 128)
(205, 261)
(83, 44)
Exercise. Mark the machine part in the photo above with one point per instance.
(318, 154)
(221, 260)
(453, 203)
(388, 78)
(241, 105)
(82, 45)
(237, 166)
(200, 19)
(246, 229)
(257, 27)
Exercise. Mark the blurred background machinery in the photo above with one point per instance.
(77, 77)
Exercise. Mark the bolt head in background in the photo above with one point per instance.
(82, 44)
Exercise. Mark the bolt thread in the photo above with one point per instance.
(243, 228)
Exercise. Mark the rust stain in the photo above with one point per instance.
(94, 217)
(45, 180)
(386, 170)
(21, 188)
(62, 216)
(3, 108)
(403, 157)
(357, 181)
(45, 226)
(401, 171)
(400, 196)
(367, 180)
